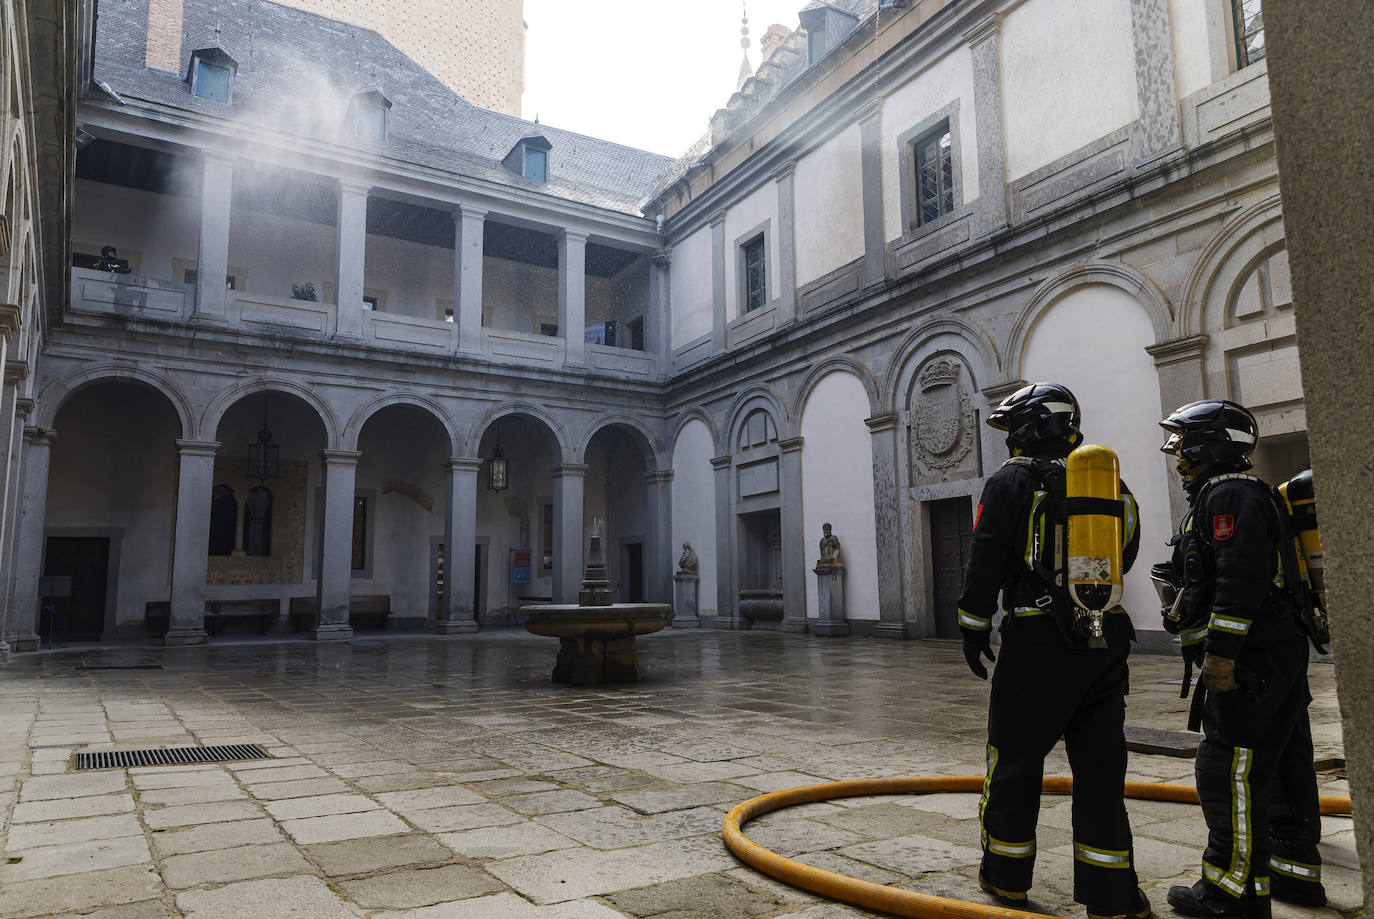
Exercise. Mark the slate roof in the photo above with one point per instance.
(298, 72)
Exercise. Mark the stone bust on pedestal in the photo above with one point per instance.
(830, 548)
(688, 561)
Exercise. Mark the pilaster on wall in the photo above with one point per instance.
(352, 254)
(660, 337)
(470, 226)
(985, 41)
(718, 319)
(793, 537)
(784, 176)
(887, 525)
(871, 173)
(727, 615)
(572, 297)
(1158, 130)
(212, 265)
(1181, 380)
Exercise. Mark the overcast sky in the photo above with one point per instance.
(647, 73)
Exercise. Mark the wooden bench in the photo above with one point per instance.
(219, 612)
(363, 612)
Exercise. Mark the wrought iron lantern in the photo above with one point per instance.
(498, 468)
(262, 456)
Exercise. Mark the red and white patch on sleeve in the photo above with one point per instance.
(1223, 527)
(978, 516)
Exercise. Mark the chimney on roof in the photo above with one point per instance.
(773, 39)
(163, 50)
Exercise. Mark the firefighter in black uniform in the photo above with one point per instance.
(1240, 618)
(1050, 683)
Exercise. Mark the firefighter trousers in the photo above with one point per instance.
(1247, 734)
(1295, 866)
(1044, 689)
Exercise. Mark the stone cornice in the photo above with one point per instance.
(570, 470)
(658, 477)
(463, 464)
(985, 28)
(1177, 350)
(999, 391)
(791, 444)
(16, 371)
(197, 447)
(341, 457)
(721, 462)
(880, 423)
(10, 320)
(39, 437)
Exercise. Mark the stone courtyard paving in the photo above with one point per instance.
(449, 779)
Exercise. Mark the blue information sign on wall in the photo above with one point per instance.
(520, 566)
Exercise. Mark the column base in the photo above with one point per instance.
(179, 638)
(332, 631)
(456, 627)
(722, 622)
(686, 622)
(829, 627)
(20, 643)
(793, 624)
(887, 629)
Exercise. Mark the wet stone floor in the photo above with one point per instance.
(433, 777)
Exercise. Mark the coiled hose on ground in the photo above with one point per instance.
(895, 900)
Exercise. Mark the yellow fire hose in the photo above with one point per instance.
(891, 899)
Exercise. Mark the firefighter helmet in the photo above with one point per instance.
(1040, 411)
(1214, 431)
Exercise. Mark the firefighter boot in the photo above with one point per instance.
(1206, 902)
(1140, 909)
(1011, 899)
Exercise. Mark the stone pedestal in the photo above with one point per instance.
(685, 600)
(596, 643)
(830, 591)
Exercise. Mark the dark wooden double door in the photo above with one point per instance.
(951, 534)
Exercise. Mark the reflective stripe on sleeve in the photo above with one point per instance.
(1192, 636)
(969, 620)
(1103, 858)
(1228, 624)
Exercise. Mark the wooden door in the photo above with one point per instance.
(951, 534)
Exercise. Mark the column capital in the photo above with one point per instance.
(197, 447)
(661, 259)
(210, 157)
(463, 464)
(658, 477)
(570, 470)
(23, 408)
(574, 235)
(983, 29)
(354, 187)
(16, 371)
(717, 219)
(39, 437)
(784, 171)
(721, 462)
(999, 391)
(341, 457)
(1177, 350)
(10, 320)
(870, 110)
(791, 444)
(880, 423)
(470, 211)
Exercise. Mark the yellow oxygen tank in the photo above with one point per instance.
(1301, 499)
(1095, 524)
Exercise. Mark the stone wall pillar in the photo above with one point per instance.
(726, 566)
(658, 548)
(460, 534)
(871, 171)
(568, 482)
(28, 564)
(887, 525)
(1179, 365)
(785, 176)
(352, 255)
(985, 41)
(572, 297)
(11, 439)
(1158, 131)
(336, 545)
(212, 262)
(12, 416)
(719, 319)
(191, 541)
(793, 537)
(658, 337)
(469, 229)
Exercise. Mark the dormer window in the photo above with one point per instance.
(211, 74)
(369, 112)
(826, 27)
(530, 158)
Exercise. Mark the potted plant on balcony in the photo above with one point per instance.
(304, 291)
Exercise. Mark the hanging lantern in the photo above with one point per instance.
(498, 468)
(262, 456)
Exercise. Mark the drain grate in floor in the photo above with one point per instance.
(118, 666)
(170, 756)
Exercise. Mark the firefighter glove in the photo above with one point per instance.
(1219, 673)
(978, 645)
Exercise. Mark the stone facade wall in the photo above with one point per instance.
(286, 563)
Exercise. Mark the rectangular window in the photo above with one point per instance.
(211, 81)
(536, 165)
(1249, 28)
(755, 275)
(369, 123)
(934, 175)
(369, 303)
(548, 328)
(546, 538)
(359, 534)
(815, 45)
(190, 276)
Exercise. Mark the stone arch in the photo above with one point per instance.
(56, 394)
(354, 428)
(697, 413)
(229, 396)
(1114, 274)
(757, 396)
(839, 363)
(947, 333)
(654, 450)
(549, 420)
(1253, 234)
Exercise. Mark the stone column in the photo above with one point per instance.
(1158, 130)
(887, 525)
(871, 170)
(469, 228)
(13, 433)
(352, 254)
(787, 243)
(460, 534)
(568, 482)
(658, 548)
(726, 597)
(1178, 363)
(336, 545)
(572, 296)
(190, 541)
(985, 41)
(212, 262)
(10, 522)
(658, 339)
(11, 437)
(28, 564)
(718, 315)
(793, 538)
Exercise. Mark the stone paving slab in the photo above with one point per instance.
(506, 841)
(288, 898)
(343, 826)
(573, 873)
(419, 887)
(215, 836)
(239, 863)
(80, 892)
(358, 856)
(65, 832)
(73, 858)
(508, 906)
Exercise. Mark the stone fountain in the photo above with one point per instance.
(596, 637)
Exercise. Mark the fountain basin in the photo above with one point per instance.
(596, 643)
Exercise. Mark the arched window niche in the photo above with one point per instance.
(224, 520)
